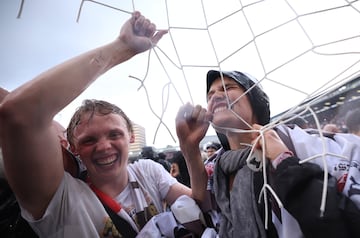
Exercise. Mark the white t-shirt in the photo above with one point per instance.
(75, 210)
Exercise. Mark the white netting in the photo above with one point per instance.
(296, 49)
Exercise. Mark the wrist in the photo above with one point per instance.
(119, 52)
(189, 148)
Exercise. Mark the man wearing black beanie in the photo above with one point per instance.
(238, 109)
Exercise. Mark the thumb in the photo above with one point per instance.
(155, 39)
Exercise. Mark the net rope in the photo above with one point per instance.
(269, 73)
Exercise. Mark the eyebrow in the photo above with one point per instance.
(231, 83)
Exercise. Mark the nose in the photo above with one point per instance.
(217, 96)
(103, 144)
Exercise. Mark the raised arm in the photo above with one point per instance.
(31, 149)
(3, 93)
(192, 124)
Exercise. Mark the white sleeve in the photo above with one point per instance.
(155, 173)
(74, 211)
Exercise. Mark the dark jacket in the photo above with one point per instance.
(299, 187)
(12, 225)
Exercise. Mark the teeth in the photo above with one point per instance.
(106, 161)
(219, 109)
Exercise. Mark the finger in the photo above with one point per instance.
(138, 25)
(257, 140)
(204, 116)
(146, 28)
(257, 126)
(155, 39)
(184, 112)
(196, 112)
(135, 15)
(257, 136)
(150, 29)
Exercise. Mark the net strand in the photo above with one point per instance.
(302, 108)
(299, 109)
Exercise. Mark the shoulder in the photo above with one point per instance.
(145, 164)
(147, 170)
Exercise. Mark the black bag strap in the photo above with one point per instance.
(125, 229)
(285, 137)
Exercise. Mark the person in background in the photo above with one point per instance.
(148, 152)
(300, 122)
(211, 148)
(331, 128)
(213, 215)
(352, 121)
(115, 192)
(179, 169)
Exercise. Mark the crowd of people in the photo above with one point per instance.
(78, 181)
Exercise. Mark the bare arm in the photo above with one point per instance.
(3, 93)
(31, 149)
(192, 124)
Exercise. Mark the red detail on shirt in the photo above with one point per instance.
(210, 169)
(341, 182)
(106, 199)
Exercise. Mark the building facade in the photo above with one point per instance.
(140, 139)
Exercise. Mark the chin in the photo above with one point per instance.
(225, 120)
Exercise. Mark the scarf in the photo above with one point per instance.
(144, 207)
(240, 215)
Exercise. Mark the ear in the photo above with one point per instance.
(64, 143)
(73, 150)
(132, 138)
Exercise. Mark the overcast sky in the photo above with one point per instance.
(47, 33)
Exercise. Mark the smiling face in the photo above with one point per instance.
(102, 142)
(223, 116)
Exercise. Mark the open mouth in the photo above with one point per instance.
(219, 109)
(106, 160)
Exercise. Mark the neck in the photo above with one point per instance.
(239, 140)
(111, 187)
